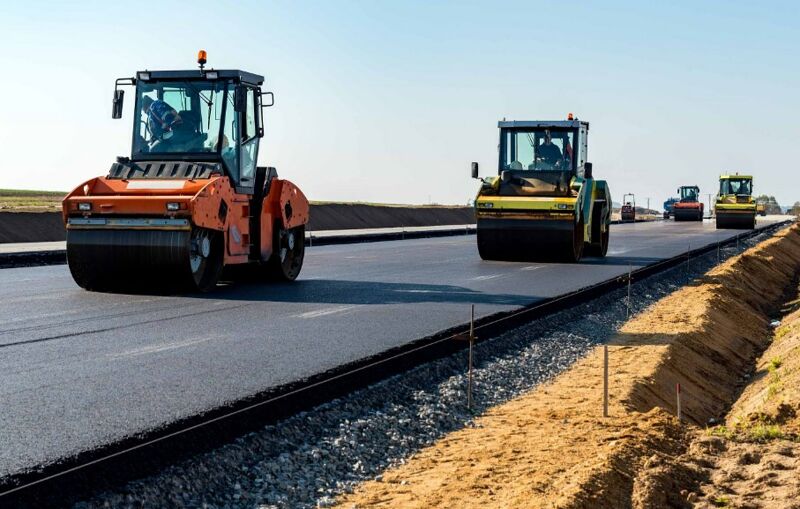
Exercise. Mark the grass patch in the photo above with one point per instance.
(775, 363)
(721, 431)
(721, 501)
(763, 432)
(781, 332)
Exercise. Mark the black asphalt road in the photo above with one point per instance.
(80, 369)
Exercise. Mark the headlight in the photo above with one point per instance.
(564, 206)
(173, 206)
(487, 205)
(85, 206)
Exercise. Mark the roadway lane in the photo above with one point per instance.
(79, 369)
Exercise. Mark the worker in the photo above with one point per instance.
(160, 117)
(549, 152)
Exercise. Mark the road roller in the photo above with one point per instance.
(761, 208)
(190, 201)
(688, 207)
(544, 203)
(735, 206)
(627, 211)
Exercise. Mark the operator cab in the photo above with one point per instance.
(739, 186)
(689, 193)
(198, 116)
(542, 157)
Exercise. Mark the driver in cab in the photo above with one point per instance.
(548, 152)
(160, 117)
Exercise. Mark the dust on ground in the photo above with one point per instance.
(553, 448)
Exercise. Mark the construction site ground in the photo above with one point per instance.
(736, 445)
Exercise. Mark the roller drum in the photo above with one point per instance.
(736, 221)
(129, 259)
(513, 240)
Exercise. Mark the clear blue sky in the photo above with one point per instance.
(390, 101)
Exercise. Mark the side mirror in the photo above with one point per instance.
(474, 170)
(587, 170)
(240, 99)
(266, 103)
(116, 108)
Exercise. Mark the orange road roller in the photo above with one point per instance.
(190, 201)
(689, 207)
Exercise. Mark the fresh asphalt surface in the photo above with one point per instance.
(81, 369)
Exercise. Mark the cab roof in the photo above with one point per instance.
(726, 177)
(557, 124)
(196, 74)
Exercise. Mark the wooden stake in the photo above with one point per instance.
(678, 397)
(471, 343)
(605, 380)
(630, 276)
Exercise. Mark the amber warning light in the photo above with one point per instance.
(202, 58)
(570, 116)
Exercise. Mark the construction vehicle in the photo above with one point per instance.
(190, 200)
(628, 210)
(689, 207)
(544, 204)
(735, 207)
(761, 208)
(668, 207)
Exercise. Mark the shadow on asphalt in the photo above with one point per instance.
(334, 291)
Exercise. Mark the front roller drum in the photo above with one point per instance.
(688, 214)
(145, 260)
(531, 241)
(736, 221)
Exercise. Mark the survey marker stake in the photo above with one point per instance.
(605, 380)
(471, 338)
(678, 398)
(630, 277)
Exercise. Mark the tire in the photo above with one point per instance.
(288, 254)
(206, 255)
(599, 248)
(574, 254)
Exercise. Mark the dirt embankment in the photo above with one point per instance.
(49, 227)
(752, 459)
(31, 227)
(553, 448)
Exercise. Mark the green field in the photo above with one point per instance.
(25, 199)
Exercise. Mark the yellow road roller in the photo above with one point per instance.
(735, 206)
(544, 203)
